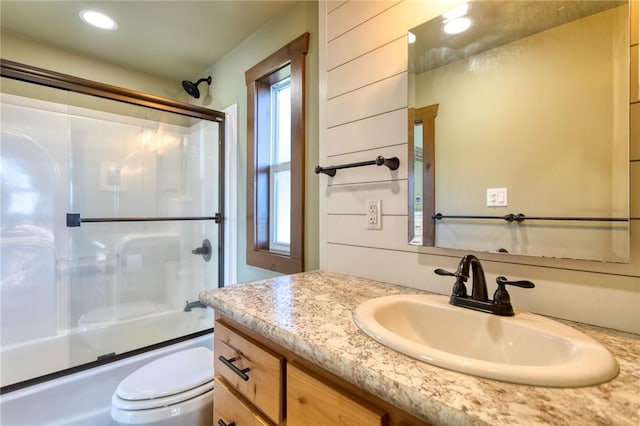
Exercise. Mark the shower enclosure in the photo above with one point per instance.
(110, 222)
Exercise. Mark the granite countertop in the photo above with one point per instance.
(310, 314)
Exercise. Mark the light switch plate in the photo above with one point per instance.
(496, 197)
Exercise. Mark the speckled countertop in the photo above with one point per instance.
(310, 314)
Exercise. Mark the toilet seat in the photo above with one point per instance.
(148, 404)
(166, 381)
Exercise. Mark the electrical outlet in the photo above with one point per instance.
(374, 214)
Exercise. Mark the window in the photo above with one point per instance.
(280, 168)
(275, 159)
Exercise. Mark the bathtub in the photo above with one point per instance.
(79, 399)
(33, 358)
(96, 336)
(102, 332)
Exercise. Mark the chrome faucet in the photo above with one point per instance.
(479, 300)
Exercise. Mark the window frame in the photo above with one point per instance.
(259, 79)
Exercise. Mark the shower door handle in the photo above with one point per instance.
(205, 251)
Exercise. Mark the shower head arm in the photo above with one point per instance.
(207, 79)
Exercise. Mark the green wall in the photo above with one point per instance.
(228, 88)
(18, 48)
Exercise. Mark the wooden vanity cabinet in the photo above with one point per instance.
(252, 370)
(285, 389)
(229, 408)
(313, 402)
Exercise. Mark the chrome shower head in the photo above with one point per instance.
(192, 88)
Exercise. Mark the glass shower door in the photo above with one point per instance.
(33, 172)
(105, 199)
(143, 226)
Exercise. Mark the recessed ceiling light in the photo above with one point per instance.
(457, 26)
(98, 19)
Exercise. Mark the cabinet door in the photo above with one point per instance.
(228, 408)
(251, 370)
(312, 402)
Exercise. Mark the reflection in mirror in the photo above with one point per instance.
(529, 121)
(422, 145)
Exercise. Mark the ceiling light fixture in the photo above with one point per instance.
(98, 20)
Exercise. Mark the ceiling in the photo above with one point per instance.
(170, 39)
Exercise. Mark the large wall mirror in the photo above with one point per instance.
(519, 129)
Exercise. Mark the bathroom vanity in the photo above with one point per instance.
(307, 360)
(260, 383)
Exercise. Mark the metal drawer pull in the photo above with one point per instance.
(222, 423)
(229, 363)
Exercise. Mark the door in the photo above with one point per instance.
(144, 226)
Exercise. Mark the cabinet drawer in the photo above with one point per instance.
(255, 372)
(229, 408)
(312, 402)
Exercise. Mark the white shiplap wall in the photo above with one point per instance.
(363, 114)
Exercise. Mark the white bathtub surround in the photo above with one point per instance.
(79, 399)
(310, 314)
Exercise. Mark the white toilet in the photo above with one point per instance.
(173, 390)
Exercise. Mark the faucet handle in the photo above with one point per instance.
(501, 295)
(441, 271)
(523, 283)
(459, 289)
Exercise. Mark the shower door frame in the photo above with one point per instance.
(40, 76)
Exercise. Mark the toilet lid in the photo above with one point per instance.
(168, 375)
(204, 391)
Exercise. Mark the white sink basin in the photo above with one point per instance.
(526, 348)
